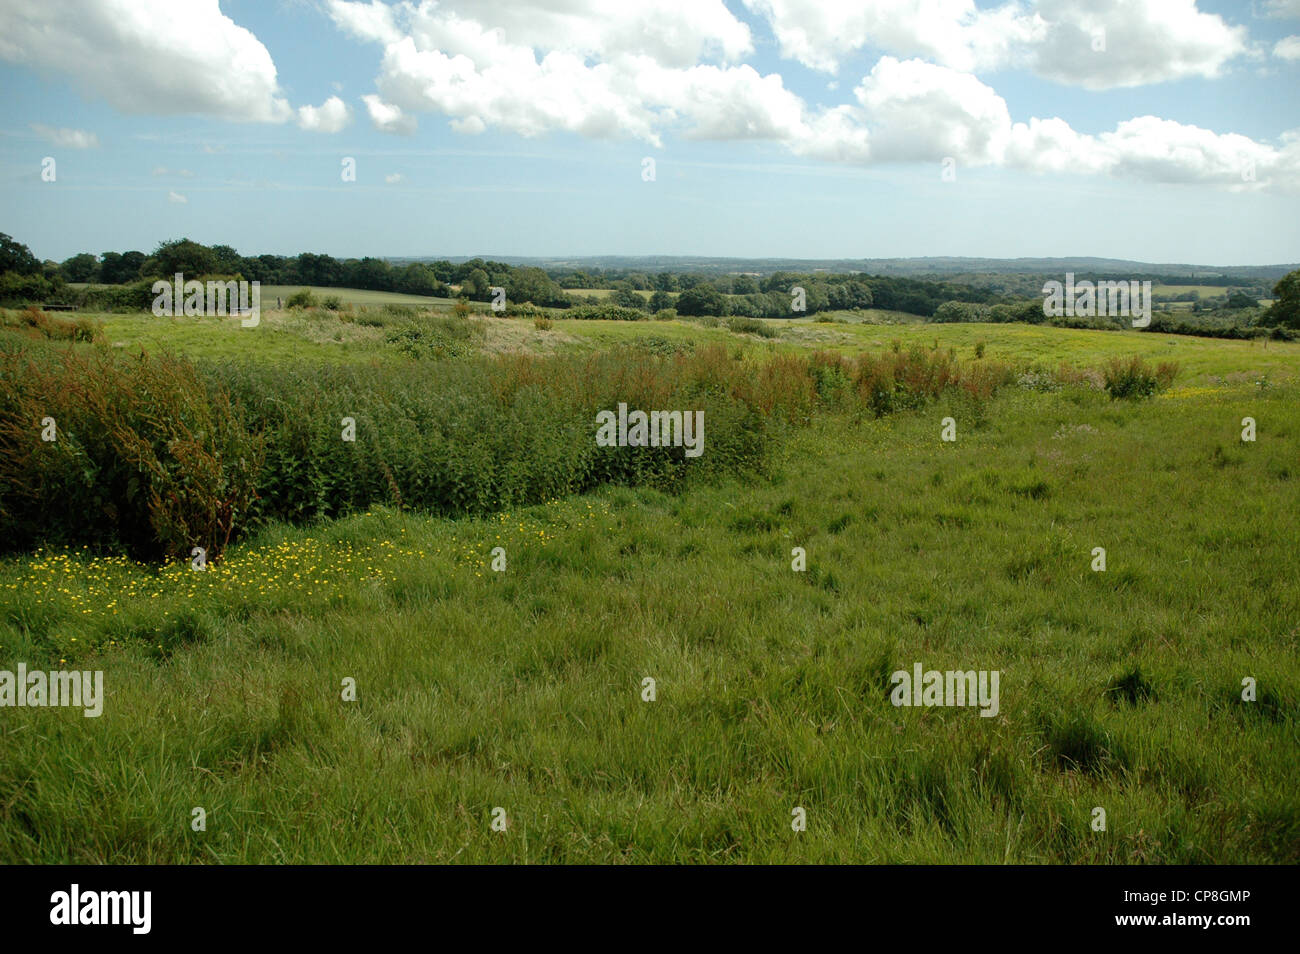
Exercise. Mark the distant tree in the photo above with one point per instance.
(744, 285)
(227, 259)
(703, 299)
(373, 274)
(82, 267)
(477, 286)
(1238, 300)
(418, 278)
(533, 284)
(181, 255)
(625, 297)
(314, 269)
(17, 257)
(661, 300)
(666, 281)
(1285, 310)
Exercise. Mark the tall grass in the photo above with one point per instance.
(158, 456)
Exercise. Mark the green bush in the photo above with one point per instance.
(606, 311)
(1133, 379)
(438, 338)
(751, 326)
(155, 456)
(145, 457)
(302, 298)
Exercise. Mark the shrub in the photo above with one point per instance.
(1133, 379)
(979, 349)
(156, 456)
(332, 302)
(438, 337)
(751, 326)
(606, 312)
(302, 298)
(542, 323)
(145, 456)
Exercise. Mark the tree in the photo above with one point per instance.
(625, 297)
(17, 257)
(476, 286)
(661, 300)
(703, 299)
(181, 255)
(227, 259)
(1285, 310)
(533, 284)
(80, 268)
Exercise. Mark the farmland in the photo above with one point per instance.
(522, 688)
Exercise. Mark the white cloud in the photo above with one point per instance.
(388, 118)
(147, 56)
(67, 138)
(530, 72)
(164, 171)
(671, 32)
(330, 116)
(1282, 8)
(394, 178)
(1146, 41)
(553, 66)
(1288, 48)
(176, 198)
(916, 111)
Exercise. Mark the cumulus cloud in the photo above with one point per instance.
(386, 117)
(330, 116)
(67, 138)
(585, 66)
(1282, 8)
(553, 66)
(394, 178)
(1146, 41)
(1287, 48)
(176, 198)
(148, 56)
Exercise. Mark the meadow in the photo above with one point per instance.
(522, 688)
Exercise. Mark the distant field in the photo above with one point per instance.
(320, 336)
(1204, 291)
(352, 296)
(600, 292)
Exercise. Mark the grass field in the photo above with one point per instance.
(522, 690)
(352, 296)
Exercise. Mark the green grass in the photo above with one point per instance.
(352, 296)
(1202, 291)
(522, 689)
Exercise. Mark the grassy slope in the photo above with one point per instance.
(522, 689)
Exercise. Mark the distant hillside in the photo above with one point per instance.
(936, 266)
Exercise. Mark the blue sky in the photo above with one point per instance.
(778, 127)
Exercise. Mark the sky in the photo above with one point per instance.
(1154, 130)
